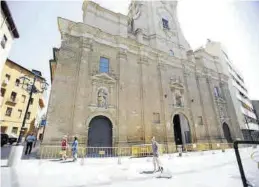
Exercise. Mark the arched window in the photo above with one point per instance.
(217, 92)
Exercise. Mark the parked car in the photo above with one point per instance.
(12, 138)
(4, 139)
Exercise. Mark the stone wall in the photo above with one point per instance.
(144, 88)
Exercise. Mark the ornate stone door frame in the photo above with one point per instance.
(187, 117)
(107, 115)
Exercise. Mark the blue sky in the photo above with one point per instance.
(235, 24)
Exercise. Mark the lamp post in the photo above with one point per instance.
(32, 89)
(16, 151)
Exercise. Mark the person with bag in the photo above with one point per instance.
(75, 149)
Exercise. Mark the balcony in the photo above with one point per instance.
(5, 82)
(239, 88)
(247, 102)
(12, 100)
(237, 78)
(247, 112)
(253, 126)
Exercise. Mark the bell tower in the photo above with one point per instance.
(157, 20)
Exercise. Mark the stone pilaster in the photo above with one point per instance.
(162, 102)
(81, 96)
(121, 119)
(187, 72)
(212, 100)
(204, 116)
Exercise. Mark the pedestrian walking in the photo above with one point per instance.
(75, 149)
(156, 160)
(64, 147)
(29, 142)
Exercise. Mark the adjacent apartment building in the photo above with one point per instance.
(8, 32)
(14, 99)
(256, 108)
(243, 106)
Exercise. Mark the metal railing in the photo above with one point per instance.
(143, 150)
(55, 152)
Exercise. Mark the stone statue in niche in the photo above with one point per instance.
(178, 99)
(102, 98)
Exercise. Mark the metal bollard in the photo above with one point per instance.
(15, 155)
(119, 160)
(180, 150)
(119, 156)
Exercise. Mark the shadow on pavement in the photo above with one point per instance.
(55, 160)
(147, 172)
(68, 161)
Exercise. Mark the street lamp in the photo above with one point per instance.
(16, 151)
(32, 89)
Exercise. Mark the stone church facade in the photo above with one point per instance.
(119, 80)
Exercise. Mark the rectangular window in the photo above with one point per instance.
(156, 118)
(17, 82)
(19, 113)
(165, 23)
(28, 115)
(3, 92)
(3, 41)
(31, 101)
(14, 130)
(200, 121)
(23, 98)
(13, 96)
(8, 111)
(104, 65)
(217, 91)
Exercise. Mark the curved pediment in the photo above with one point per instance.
(177, 85)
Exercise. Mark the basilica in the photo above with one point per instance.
(122, 79)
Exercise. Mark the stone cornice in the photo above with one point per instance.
(92, 34)
(101, 9)
(81, 29)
